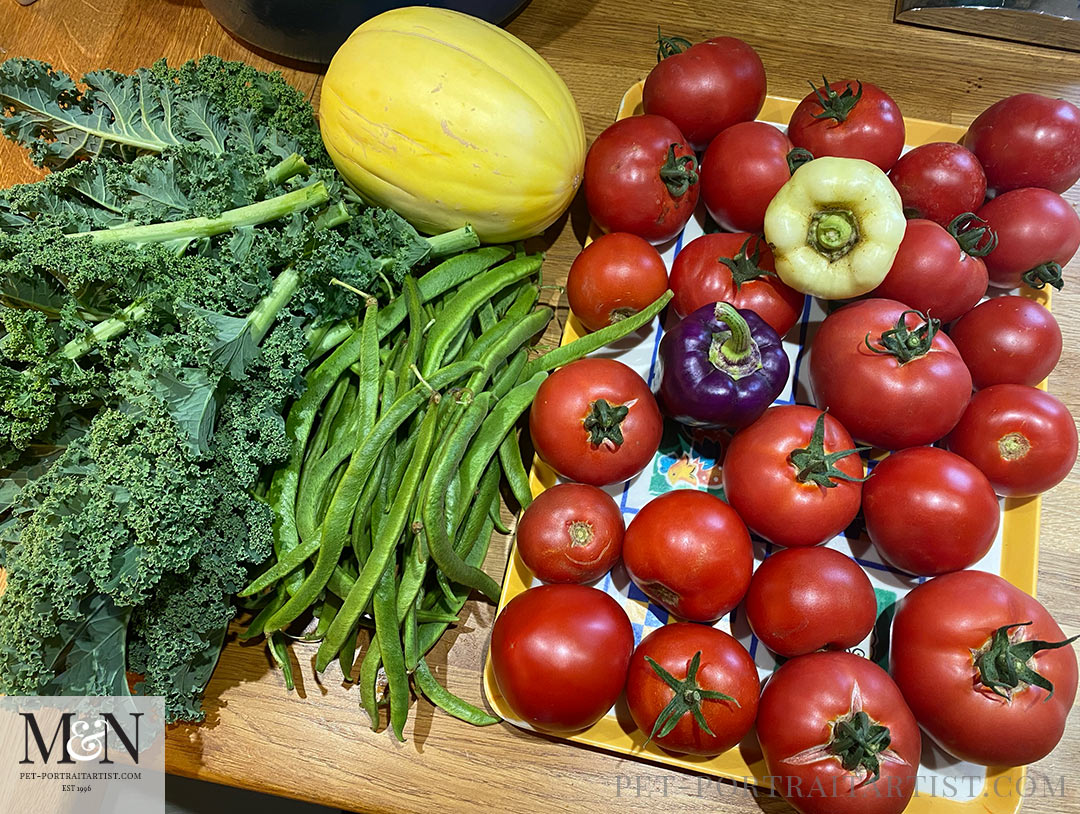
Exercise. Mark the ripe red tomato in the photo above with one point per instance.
(559, 654)
(641, 177)
(1023, 439)
(689, 552)
(734, 268)
(939, 181)
(571, 532)
(806, 599)
(966, 652)
(595, 421)
(828, 724)
(933, 274)
(614, 277)
(785, 477)
(1027, 140)
(929, 511)
(858, 372)
(706, 88)
(1038, 233)
(707, 670)
(741, 171)
(1008, 340)
(849, 119)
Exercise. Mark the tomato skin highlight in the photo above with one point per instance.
(615, 276)
(698, 278)
(623, 187)
(929, 511)
(936, 628)
(761, 485)
(707, 88)
(1008, 340)
(1034, 226)
(932, 274)
(939, 181)
(806, 599)
(1027, 140)
(558, 413)
(725, 667)
(571, 532)
(689, 552)
(1023, 439)
(559, 654)
(872, 131)
(741, 171)
(880, 401)
(797, 707)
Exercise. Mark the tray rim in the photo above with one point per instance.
(1019, 565)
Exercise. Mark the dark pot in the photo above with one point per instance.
(312, 30)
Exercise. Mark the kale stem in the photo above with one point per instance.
(453, 242)
(287, 168)
(104, 331)
(250, 215)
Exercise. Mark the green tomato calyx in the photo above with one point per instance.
(835, 105)
(814, 465)
(833, 233)
(604, 423)
(687, 698)
(905, 343)
(678, 173)
(1044, 274)
(1002, 665)
(973, 234)
(669, 46)
(744, 266)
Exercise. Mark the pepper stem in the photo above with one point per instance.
(733, 350)
(687, 698)
(906, 344)
(833, 233)
(678, 173)
(1002, 664)
(813, 464)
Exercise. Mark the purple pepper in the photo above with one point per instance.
(720, 367)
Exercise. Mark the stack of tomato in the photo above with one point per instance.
(829, 209)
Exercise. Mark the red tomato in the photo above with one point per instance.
(806, 599)
(956, 639)
(614, 277)
(786, 478)
(641, 177)
(933, 274)
(1023, 439)
(689, 552)
(1038, 232)
(571, 532)
(880, 398)
(929, 511)
(939, 181)
(699, 661)
(815, 714)
(595, 421)
(716, 268)
(1028, 140)
(559, 654)
(1008, 340)
(741, 171)
(849, 119)
(706, 88)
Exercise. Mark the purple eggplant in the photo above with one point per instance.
(721, 367)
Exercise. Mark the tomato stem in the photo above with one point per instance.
(857, 741)
(1039, 276)
(678, 173)
(815, 465)
(797, 157)
(745, 268)
(974, 236)
(687, 697)
(604, 423)
(1002, 664)
(833, 233)
(906, 344)
(669, 46)
(835, 105)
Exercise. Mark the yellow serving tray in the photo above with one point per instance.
(1001, 791)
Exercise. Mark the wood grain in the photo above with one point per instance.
(315, 744)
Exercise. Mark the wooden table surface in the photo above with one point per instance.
(315, 744)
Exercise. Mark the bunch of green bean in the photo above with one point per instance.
(386, 507)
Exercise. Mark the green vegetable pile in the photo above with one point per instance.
(159, 293)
